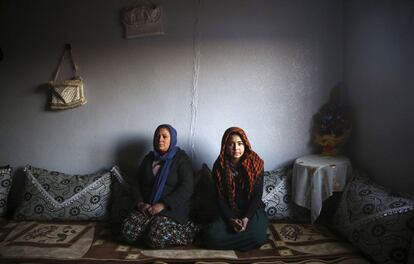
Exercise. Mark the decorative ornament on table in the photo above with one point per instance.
(331, 125)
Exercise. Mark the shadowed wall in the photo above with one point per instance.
(379, 74)
(266, 66)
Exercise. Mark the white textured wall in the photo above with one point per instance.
(266, 66)
(380, 75)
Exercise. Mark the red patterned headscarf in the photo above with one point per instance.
(251, 163)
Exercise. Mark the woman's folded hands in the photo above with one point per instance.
(149, 210)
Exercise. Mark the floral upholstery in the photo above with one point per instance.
(5, 184)
(380, 223)
(277, 196)
(52, 195)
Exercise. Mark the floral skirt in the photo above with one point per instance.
(157, 231)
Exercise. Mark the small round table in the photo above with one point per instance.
(316, 177)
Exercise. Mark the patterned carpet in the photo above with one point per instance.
(61, 242)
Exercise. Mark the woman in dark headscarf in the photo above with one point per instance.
(238, 177)
(165, 187)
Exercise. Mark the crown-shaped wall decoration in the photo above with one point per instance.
(141, 21)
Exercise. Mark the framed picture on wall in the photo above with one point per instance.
(142, 21)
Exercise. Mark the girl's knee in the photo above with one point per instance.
(260, 239)
(258, 236)
(213, 239)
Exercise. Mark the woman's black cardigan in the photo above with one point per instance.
(178, 188)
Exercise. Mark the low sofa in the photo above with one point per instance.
(62, 218)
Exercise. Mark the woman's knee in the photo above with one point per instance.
(159, 233)
(132, 227)
(156, 241)
(130, 231)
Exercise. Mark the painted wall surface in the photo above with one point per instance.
(266, 66)
(379, 75)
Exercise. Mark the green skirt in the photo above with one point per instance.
(220, 235)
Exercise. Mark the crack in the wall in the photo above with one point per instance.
(196, 72)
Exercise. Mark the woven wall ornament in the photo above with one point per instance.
(142, 21)
(68, 93)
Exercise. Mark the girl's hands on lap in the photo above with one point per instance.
(245, 221)
(239, 225)
(236, 224)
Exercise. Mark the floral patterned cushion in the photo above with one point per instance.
(5, 184)
(52, 195)
(380, 223)
(277, 196)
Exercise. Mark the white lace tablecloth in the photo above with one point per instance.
(316, 177)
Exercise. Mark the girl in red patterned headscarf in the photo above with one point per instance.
(238, 178)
